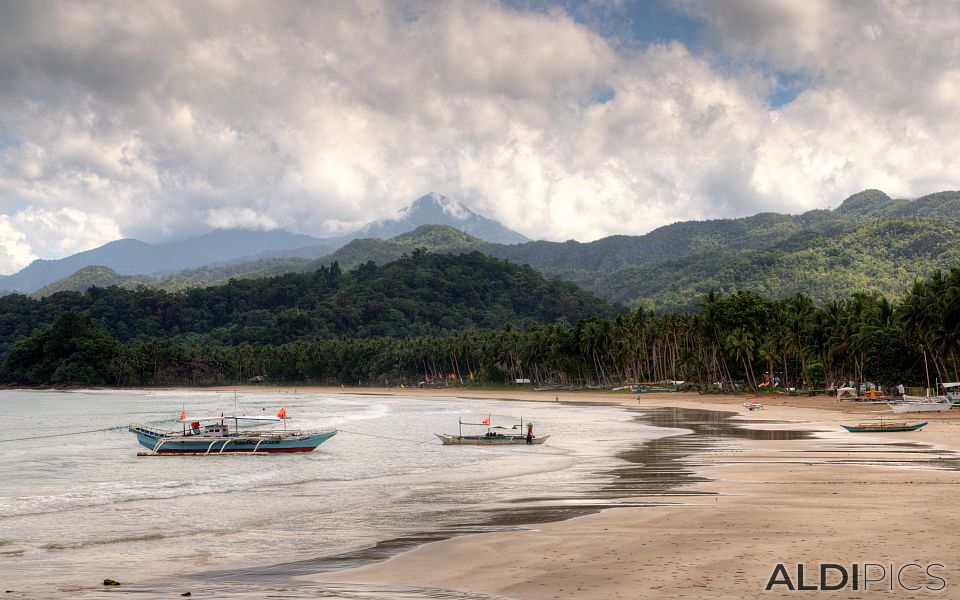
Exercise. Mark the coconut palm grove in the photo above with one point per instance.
(439, 319)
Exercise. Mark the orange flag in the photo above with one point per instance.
(183, 415)
(283, 413)
(486, 421)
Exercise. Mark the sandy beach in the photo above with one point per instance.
(856, 500)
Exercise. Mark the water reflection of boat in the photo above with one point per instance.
(495, 435)
(213, 435)
(883, 426)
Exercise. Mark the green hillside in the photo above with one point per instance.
(883, 256)
(420, 294)
(88, 277)
(434, 238)
(870, 242)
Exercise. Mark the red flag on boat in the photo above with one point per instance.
(486, 421)
(183, 415)
(283, 413)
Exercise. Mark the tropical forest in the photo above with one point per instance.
(469, 319)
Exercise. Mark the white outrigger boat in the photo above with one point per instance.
(915, 404)
(212, 435)
(952, 391)
(494, 436)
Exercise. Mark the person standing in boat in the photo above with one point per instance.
(529, 432)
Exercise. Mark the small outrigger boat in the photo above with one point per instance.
(494, 436)
(212, 435)
(753, 404)
(883, 426)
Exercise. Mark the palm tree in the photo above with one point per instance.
(739, 343)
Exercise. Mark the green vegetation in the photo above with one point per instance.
(475, 319)
(72, 350)
(418, 295)
(871, 243)
(89, 277)
(433, 238)
(879, 257)
(829, 298)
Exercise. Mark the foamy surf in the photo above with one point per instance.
(75, 511)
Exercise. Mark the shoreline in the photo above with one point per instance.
(754, 501)
(761, 502)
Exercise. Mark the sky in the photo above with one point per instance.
(562, 120)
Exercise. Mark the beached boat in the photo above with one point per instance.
(952, 391)
(883, 426)
(753, 404)
(495, 435)
(916, 404)
(213, 435)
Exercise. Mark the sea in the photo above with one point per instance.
(78, 505)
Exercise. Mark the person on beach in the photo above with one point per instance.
(529, 432)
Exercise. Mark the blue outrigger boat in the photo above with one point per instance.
(212, 435)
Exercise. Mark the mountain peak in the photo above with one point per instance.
(437, 209)
(434, 205)
(865, 202)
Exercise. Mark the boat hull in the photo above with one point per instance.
(164, 443)
(484, 440)
(922, 405)
(882, 428)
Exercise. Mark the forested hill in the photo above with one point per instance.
(434, 238)
(420, 294)
(883, 256)
(870, 243)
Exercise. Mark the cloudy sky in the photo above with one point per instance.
(162, 120)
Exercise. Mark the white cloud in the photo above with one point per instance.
(15, 253)
(166, 119)
(65, 231)
(239, 218)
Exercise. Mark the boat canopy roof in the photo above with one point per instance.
(950, 385)
(489, 426)
(231, 417)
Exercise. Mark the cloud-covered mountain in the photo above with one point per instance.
(227, 246)
(436, 209)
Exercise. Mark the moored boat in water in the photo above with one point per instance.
(495, 435)
(213, 435)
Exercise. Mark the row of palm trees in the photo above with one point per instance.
(738, 340)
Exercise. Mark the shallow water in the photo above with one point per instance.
(78, 508)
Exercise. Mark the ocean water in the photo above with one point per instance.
(81, 507)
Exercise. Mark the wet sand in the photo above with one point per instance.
(731, 510)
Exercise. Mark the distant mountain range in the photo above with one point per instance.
(130, 257)
(136, 258)
(869, 243)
